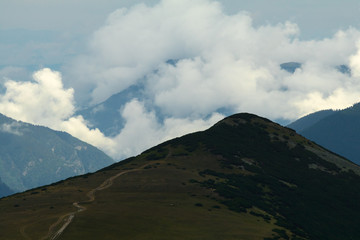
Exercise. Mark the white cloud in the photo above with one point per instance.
(315, 101)
(354, 62)
(224, 61)
(42, 102)
(78, 127)
(46, 102)
(142, 129)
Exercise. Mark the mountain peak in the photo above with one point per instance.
(244, 178)
(242, 118)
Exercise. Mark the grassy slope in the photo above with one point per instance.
(161, 209)
(160, 203)
(183, 189)
(153, 203)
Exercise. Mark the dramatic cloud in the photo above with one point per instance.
(46, 102)
(42, 102)
(192, 62)
(220, 61)
(143, 129)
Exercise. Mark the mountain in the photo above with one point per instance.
(4, 189)
(338, 131)
(244, 178)
(31, 156)
(309, 120)
(106, 115)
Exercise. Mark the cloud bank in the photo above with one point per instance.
(46, 102)
(218, 61)
(221, 61)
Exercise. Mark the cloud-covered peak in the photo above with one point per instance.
(219, 61)
(45, 101)
(223, 61)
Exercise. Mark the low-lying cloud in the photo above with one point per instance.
(12, 128)
(45, 101)
(219, 61)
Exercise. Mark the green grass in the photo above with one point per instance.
(154, 203)
(143, 206)
(245, 178)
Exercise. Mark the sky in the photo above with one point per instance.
(61, 56)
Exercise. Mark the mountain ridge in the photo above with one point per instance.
(31, 156)
(244, 178)
(335, 130)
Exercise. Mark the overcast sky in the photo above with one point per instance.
(229, 54)
(45, 32)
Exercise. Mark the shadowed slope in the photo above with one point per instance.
(244, 178)
(338, 131)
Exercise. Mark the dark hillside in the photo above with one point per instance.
(338, 132)
(309, 120)
(244, 178)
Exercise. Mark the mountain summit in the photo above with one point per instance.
(244, 178)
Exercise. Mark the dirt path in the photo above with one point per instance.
(66, 223)
(66, 219)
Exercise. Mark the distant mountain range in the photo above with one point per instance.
(106, 116)
(338, 131)
(244, 178)
(31, 156)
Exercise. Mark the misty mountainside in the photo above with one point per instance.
(106, 116)
(4, 189)
(244, 178)
(338, 131)
(309, 120)
(31, 156)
